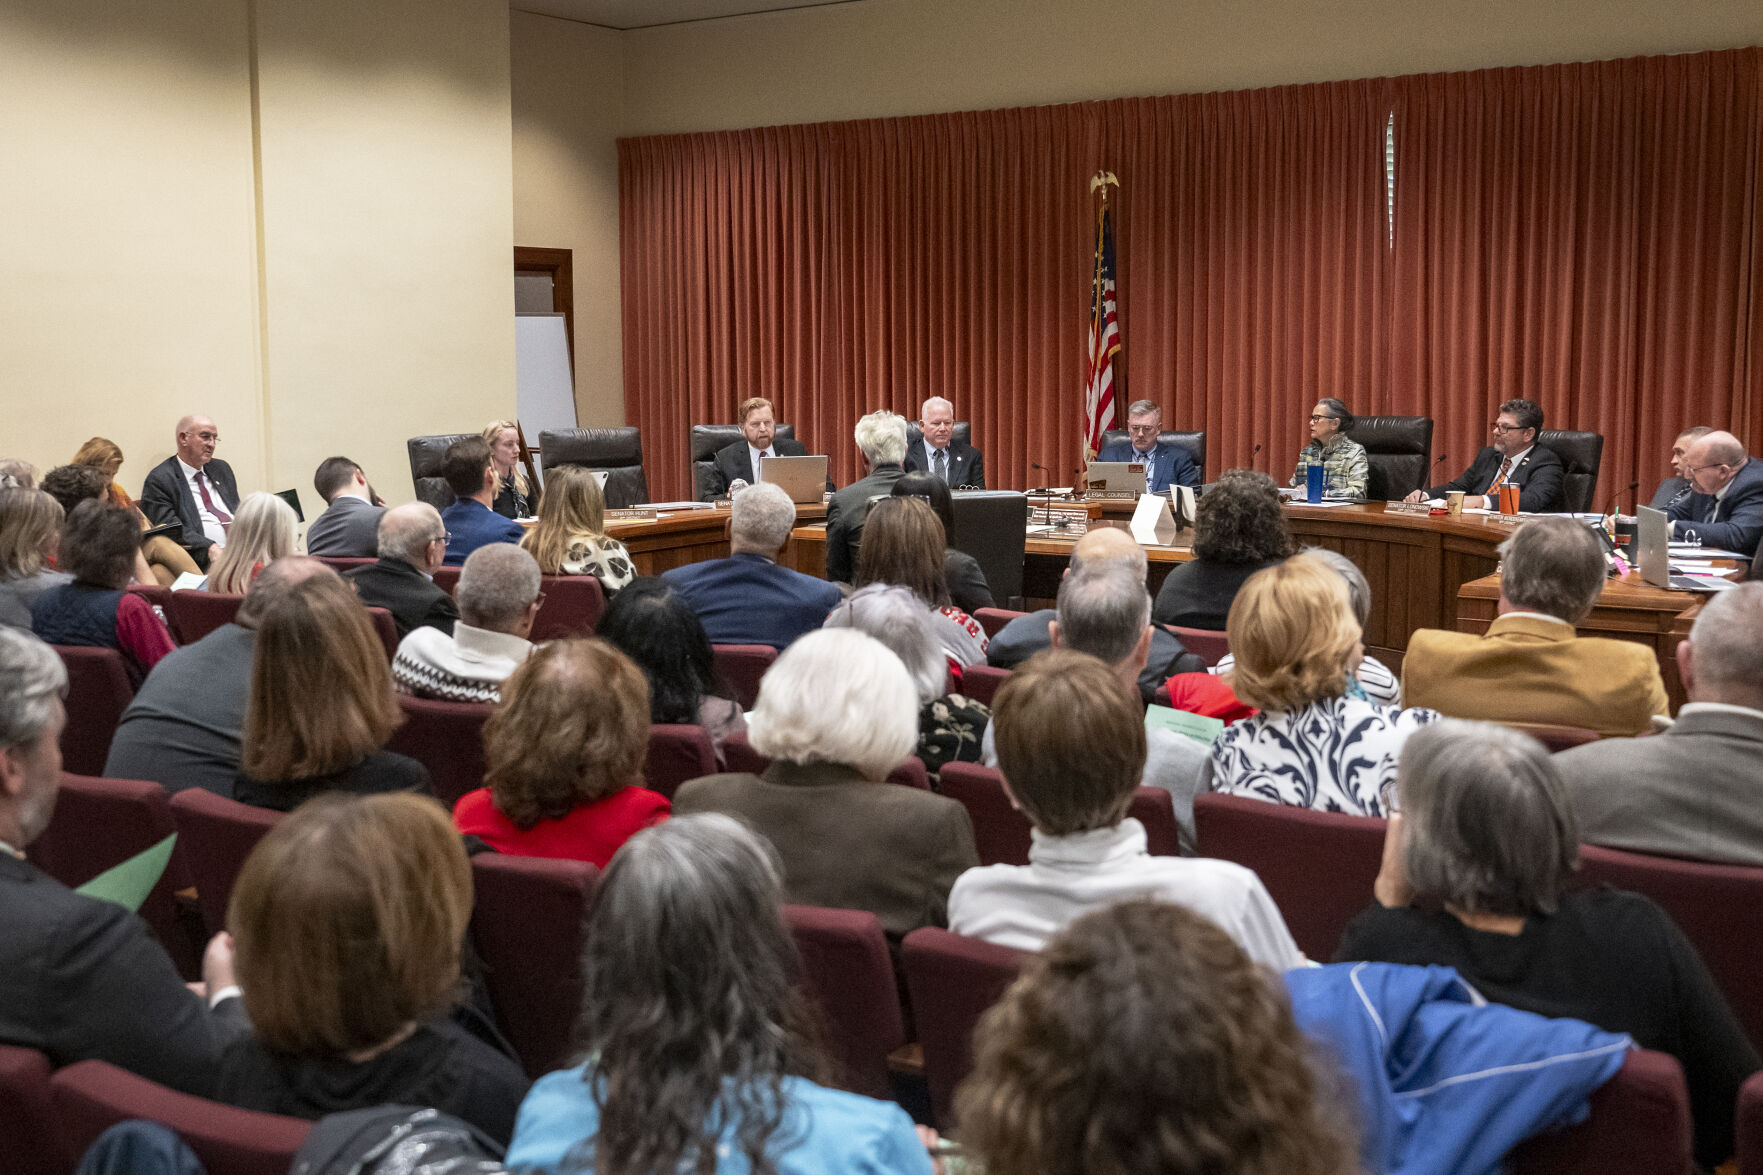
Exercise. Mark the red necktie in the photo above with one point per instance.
(226, 520)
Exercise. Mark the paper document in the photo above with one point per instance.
(1696, 552)
(1195, 726)
(129, 883)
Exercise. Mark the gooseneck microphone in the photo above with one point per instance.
(1046, 488)
(1616, 498)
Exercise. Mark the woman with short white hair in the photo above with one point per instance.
(837, 713)
(263, 530)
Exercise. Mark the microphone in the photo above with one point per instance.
(1046, 489)
(1252, 453)
(1616, 497)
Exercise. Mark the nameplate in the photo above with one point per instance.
(1111, 496)
(631, 514)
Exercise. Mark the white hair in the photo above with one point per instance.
(31, 678)
(404, 531)
(882, 437)
(1727, 639)
(497, 584)
(924, 408)
(898, 619)
(760, 518)
(836, 696)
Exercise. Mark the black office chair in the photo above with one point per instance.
(708, 439)
(1398, 452)
(992, 526)
(425, 467)
(619, 451)
(1581, 454)
(1193, 442)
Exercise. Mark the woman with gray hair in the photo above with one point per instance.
(699, 1054)
(1486, 842)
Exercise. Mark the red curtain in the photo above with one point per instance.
(1585, 235)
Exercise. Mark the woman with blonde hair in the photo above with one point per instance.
(321, 705)
(166, 559)
(514, 495)
(30, 534)
(1295, 639)
(263, 530)
(571, 539)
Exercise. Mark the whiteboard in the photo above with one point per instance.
(545, 388)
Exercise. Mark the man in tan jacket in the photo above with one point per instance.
(1531, 666)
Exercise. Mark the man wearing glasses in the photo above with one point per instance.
(194, 491)
(1165, 465)
(1514, 458)
(1724, 507)
(412, 547)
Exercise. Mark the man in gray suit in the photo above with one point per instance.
(1697, 789)
(349, 527)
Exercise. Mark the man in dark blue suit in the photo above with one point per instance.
(1165, 465)
(1514, 458)
(1725, 505)
(193, 491)
(469, 520)
(747, 599)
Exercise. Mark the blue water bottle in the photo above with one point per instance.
(1313, 482)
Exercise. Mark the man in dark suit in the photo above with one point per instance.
(1165, 465)
(882, 438)
(739, 461)
(349, 527)
(1678, 485)
(193, 491)
(1725, 505)
(412, 547)
(1514, 457)
(82, 979)
(959, 464)
(747, 599)
(470, 522)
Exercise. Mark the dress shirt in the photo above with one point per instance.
(212, 529)
(753, 456)
(1717, 708)
(930, 460)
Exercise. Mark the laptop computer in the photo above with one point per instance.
(1653, 552)
(803, 478)
(1116, 477)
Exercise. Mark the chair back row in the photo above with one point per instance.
(573, 603)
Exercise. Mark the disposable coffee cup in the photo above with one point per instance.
(1454, 501)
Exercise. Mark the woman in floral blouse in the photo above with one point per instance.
(570, 538)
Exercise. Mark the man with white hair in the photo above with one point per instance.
(747, 599)
(1695, 790)
(1724, 507)
(498, 599)
(195, 491)
(957, 463)
(412, 546)
(882, 438)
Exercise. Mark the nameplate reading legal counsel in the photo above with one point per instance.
(1152, 524)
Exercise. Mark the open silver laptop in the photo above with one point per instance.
(1653, 552)
(1115, 477)
(803, 478)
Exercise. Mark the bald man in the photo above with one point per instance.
(412, 546)
(193, 491)
(1724, 507)
(1027, 635)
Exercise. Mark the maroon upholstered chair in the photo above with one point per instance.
(1750, 1126)
(386, 629)
(993, 620)
(1209, 645)
(677, 753)
(196, 613)
(343, 564)
(849, 977)
(527, 925)
(1555, 738)
(573, 605)
(911, 773)
(160, 597)
(739, 754)
(1718, 907)
(448, 739)
(447, 579)
(741, 667)
(1318, 866)
(952, 980)
(215, 835)
(1639, 1124)
(93, 1096)
(1001, 833)
(98, 691)
(982, 682)
(27, 1115)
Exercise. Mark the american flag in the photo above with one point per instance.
(1104, 341)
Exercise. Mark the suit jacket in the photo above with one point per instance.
(1738, 518)
(967, 465)
(1027, 635)
(844, 519)
(1167, 465)
(166, 498)
(847, 842)
(1695, 790)
(1530, 669)
(1539, 478)
(348, 529)
(732, 462)
(82, 979)
(413, 599)
(1668, 492)
(471, 524)
(748, 599)
(968, 586)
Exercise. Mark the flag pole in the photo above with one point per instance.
(1103, 339)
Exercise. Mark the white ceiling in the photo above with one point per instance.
(641, 14)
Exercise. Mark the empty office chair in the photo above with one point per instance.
(1193, 441)
(98, 691)
(709, 439)
(425, 467)
(1001, 833)
(993, 620)
(992, 526)
(573, 607)
(618, 451)
(448, 739)
(198, 613)
(27, 1115)
(1581, 455)
(1639, 1123)
(676, 754)
(1209, 645)
(740, 667)
(739, 754)
(952, 980)
(215, 835)
(982, 682)
(1398, 453)
(849, 976)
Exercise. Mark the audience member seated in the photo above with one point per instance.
(1530, 665)
(836, 714)
(70, 485)
(1370, 678)
(967, 581)
(903, 547)
(747, 598)
(1165, 465)
(185, 725)
(30, 535)
(99, 546)
(498, 597)
(1027, 635)
(349, 526)
(1311, 746)
(881, 436)
(514, 496)
(694, 1033)
(1513, 459)
(321, 705)
(265, 529)
(1071, 745)
(1143, 1039)
(82, 979)
(471, 475)
(1239, 528)
(1345, 468)
(1678, 483)
(653, 625)
(17, 474)
(348, 920)
(1724, 508)
(412, 547)
(951, 728)
(571, 539)
(1696, 790)
(193, 492)
(564, 754)
(165, 557)
(1486, 841)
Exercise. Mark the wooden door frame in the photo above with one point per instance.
(560, 265)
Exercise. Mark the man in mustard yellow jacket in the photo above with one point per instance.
(1531, 666)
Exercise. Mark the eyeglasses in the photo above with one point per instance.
(1320, 419)
(1502, 428)
(442, 538)
(1143, 428)
(539, 599)
(1695, 469)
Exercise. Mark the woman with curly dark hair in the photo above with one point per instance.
(1239, 528)
(1142, 1039)
(698, 1053)
(651, 623)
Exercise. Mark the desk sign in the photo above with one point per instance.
(1152, 524)
(1195, 726)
